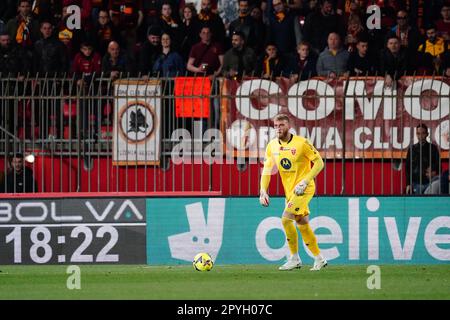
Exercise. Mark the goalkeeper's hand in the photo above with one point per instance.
(264, 198)
(301, 187)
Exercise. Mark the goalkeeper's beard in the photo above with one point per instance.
(283, 136)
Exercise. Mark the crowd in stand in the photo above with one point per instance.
(269, 38)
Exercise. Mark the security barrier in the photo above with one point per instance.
(200, 134)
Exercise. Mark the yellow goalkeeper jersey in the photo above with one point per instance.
(293, 159)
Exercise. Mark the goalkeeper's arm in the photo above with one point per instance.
(315, 170)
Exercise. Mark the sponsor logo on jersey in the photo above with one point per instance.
(286, 163)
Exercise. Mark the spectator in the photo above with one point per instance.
(434, 48)
(115, 62)
(409, 36)
(86, 66)
(189, 30)
(169, 62)
(282, 28)
(354, 31)
(434, 179)
(361, 61)
(24, 29)
(105, 32)
(20, 178)
(393, 61)
(49, 54)
(443, 25)
(206, 57)
(304, 63)
(49, 61)
(150, 50)
(12, 57)
(319, 24)
(240, 59)
(272, 64)
(260, 30)
(245, 24)
(419, 157)
(170, 24)
(350, 8)
(207, 17)
(127, 16)
(13, 65)
(332, 61)
(47, 10)
(87, 63)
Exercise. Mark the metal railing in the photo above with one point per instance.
(199, 134)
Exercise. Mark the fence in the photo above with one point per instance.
(199, 134)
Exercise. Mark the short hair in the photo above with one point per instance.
(423, 126)
(20, 2)
(430, 26)
(392, 36)
(87, 44)
(281, 117)
(240, 34)
(304, 43)
(4, 33)
(363, 37)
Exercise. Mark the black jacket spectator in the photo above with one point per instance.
(19, 178)
(394, 59)
(361, 66)
(245, 24)
(393, 65)
(104, 32)
(272, 64)
(12, 58)
(20, 182)
(50, 57)
(303, 69)
(150, 50)
(189, 31)
(208, 18)
(419, 157)
(319, 25)
(282, 33)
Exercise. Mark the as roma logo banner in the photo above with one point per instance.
(137, 122)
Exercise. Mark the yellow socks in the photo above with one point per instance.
(309, 238)
(291, 234)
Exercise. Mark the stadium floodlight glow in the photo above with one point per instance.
(30, 158)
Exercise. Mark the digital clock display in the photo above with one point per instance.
(72, 231)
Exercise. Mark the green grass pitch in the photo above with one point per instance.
(259, 282)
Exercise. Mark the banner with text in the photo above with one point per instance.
(351, 117)
(360, 230)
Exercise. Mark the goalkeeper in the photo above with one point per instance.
(293, 156)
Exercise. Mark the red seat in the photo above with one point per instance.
(70, 109)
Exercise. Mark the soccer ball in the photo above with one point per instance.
(203, 262)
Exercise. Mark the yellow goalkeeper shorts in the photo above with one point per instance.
(298, 205)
